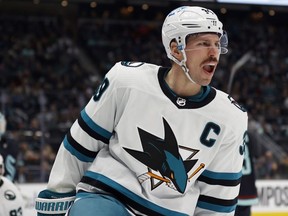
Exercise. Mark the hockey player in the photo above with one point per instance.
(155, 140)
(11, 201)
(8, 151)
(248, 195)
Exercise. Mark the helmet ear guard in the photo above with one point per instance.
(180, 47)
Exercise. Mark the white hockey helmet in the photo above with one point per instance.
(187, 20)
(2, 168)
(3, 124)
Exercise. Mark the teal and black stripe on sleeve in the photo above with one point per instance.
(216, 204)
(91, 128)
(224, 179)
(78, 150)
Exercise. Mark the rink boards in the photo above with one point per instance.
(273, 197)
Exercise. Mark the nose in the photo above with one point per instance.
(214, 50)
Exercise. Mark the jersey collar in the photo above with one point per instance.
(193, 102)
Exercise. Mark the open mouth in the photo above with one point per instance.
(209, 67)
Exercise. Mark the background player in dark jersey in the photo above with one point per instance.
(248, 192)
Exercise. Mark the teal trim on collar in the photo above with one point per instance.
(201, 95)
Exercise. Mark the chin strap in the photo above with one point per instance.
(183, 65)
(186, 71)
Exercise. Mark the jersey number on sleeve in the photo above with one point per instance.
(247, 165)
(131, 64)
(101, 89)
(236, 104)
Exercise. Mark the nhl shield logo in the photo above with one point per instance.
(181, 101)
(9, 195)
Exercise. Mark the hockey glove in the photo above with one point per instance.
(53, 203)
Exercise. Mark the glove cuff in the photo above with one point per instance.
(50, 205)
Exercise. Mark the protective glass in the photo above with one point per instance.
(224, 43)
(221, 46)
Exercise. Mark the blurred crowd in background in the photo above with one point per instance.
(50, 68)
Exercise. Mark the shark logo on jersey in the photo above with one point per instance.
(162, 156)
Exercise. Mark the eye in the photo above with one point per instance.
(218, 45)
(204, 43)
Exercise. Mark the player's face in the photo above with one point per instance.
(203, 52)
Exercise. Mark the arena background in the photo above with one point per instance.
(54, 54)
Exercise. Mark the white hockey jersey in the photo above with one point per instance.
(11, 201)
(157, 152)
